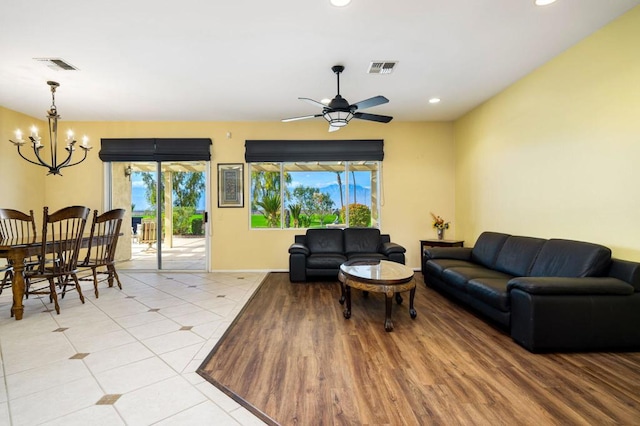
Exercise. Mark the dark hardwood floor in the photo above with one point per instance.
(292, 358)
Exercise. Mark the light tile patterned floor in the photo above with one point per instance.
(127, 358)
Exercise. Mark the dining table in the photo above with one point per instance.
(16, 250)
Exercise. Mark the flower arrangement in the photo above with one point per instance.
(439, 223)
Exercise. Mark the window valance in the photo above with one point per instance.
(313, 150)
(168, 149)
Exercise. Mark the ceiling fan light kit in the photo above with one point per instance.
(338, 118)
(338, 112)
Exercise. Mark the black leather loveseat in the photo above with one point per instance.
(320, 252)
(551, 295)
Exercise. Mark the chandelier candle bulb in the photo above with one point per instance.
(19, 136)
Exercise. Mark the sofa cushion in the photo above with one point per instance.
(567, 258)
(361, 240)
(324, 240)
(518, 254)
(492, 291)
(436, 266)
(458, 276)
(486, 250)
(325, 261)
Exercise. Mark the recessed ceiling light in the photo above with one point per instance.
(434, 100)
(340, 3)
(543, 2)
(325, 101)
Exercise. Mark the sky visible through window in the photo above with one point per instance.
(325, 181)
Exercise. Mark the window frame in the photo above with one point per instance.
(349, 166)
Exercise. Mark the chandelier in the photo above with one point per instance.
(53, 166)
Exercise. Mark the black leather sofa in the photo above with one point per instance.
(551, 295)
(319, 253)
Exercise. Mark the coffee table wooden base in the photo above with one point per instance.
(388, 289)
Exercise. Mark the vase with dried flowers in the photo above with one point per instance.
(440, 225)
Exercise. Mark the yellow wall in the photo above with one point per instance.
(418, 177)
(557, 154)
(22, 184)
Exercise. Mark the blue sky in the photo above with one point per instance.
(321, 180)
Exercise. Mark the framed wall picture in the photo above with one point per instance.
(230, 185)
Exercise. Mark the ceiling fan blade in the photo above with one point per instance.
(371, 102)
(333, 128)
(373, 117)
(304, 117)
(311, 101)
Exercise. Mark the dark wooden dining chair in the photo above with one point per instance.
(16, 226)
(7, 270)
(105, 230)
(58, 260)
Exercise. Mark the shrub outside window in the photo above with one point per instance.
(315, 194)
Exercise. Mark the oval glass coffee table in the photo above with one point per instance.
(380, 276)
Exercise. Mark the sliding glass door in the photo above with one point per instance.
(168, 213)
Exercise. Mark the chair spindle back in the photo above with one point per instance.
(63, 230)
(17, 226)
(105, 230)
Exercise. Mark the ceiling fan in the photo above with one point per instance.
(338, 112)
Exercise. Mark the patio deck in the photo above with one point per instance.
(187, 254)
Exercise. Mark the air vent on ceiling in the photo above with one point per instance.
(381, 67)
(57, 64)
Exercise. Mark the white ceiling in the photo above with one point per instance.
(249, 60)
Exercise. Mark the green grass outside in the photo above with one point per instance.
(259, 221)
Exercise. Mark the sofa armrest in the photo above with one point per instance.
(298, 248)
(388, 248)
(626, 271)
(458, 253)
(570, 286)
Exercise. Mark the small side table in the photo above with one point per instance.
(437, 243)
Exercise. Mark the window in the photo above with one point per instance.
(315, 194)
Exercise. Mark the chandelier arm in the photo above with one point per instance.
(64, 164)
(37, 153)
(66, 161)
(30, 161)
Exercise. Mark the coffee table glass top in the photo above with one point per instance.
(377, 271)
